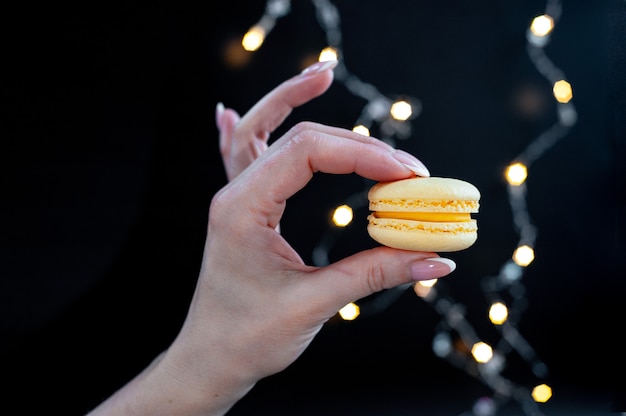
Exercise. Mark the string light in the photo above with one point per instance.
(516, 174)
(482, 352)
(523, 255)
(542, 393)
(342, 216)
(392, 117)
(350, 312)
(498, 313)
(562, 91)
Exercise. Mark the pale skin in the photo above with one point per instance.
(257, 305)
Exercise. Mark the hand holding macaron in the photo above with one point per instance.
(257, 305)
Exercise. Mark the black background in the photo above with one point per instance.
(110, 159)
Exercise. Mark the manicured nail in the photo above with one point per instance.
(318, 67)
(219, 110)
(411, 162)
(432, 268)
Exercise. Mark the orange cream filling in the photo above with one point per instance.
(425, 216)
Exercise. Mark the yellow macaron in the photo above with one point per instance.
(424, 214)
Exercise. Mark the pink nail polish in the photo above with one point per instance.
(432, 268)
(411, 162)
(318, 67)
(219, 110)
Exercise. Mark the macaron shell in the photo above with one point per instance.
(431, 188)
(423, 236)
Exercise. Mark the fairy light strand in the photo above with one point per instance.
(392, 117)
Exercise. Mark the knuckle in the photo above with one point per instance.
(376, 278)
(304, 133)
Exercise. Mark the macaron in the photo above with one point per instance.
(424, 214)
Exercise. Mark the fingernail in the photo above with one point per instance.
(432, 268)
(318, 67)
(219, 110)
(411, 162)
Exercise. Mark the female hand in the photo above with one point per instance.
(257, 306)
(243, 139)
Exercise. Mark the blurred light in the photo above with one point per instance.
(423, 287)
(442, 345)
(361, 129)
(542, 393)
(498, 313)
(484, 407)
(342, 216)
(482, 352)
(350, 311)
(428, 283)
(401, 110)
(542, 25)
(328, 54)
(511, 272)
(253, 39)
(562, 91)
(516, 174)
(234, 55)
(523, 255)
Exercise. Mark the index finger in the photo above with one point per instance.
(307, 148)
(269, 112)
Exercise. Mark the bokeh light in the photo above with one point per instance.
(498, 313)
(562, 91)
(516, 174)
(482, 352)
(523, 255)
(350, 312)
(253, 39)
(342, 216)
(401, 110)
(542, 393)
(542, 25)
(328, 54)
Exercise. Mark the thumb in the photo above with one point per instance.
(373, 270)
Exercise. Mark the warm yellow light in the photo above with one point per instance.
(542, 25)
(423, 287)
(361, 129)
(523, 255)
(562, 91)
(498, 313)
(401, 110)
(516, 174)
(428, 283)
(328, 54)
(482, 352)
(342, 216)
(253, 39)
(542, 393)
(350, 311)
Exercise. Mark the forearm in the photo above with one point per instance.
(166, 388)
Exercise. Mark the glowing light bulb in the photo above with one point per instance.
(482, 352)
(542, 393)
(328, 54)
(361, 129)
(401, 110)
(423, 287)
(542, 25)
(516, 174)
(523, 255)
(253, 39)
(498, 313)
(342, 216)
(350, 312)
(428, 283)
(562, 91)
